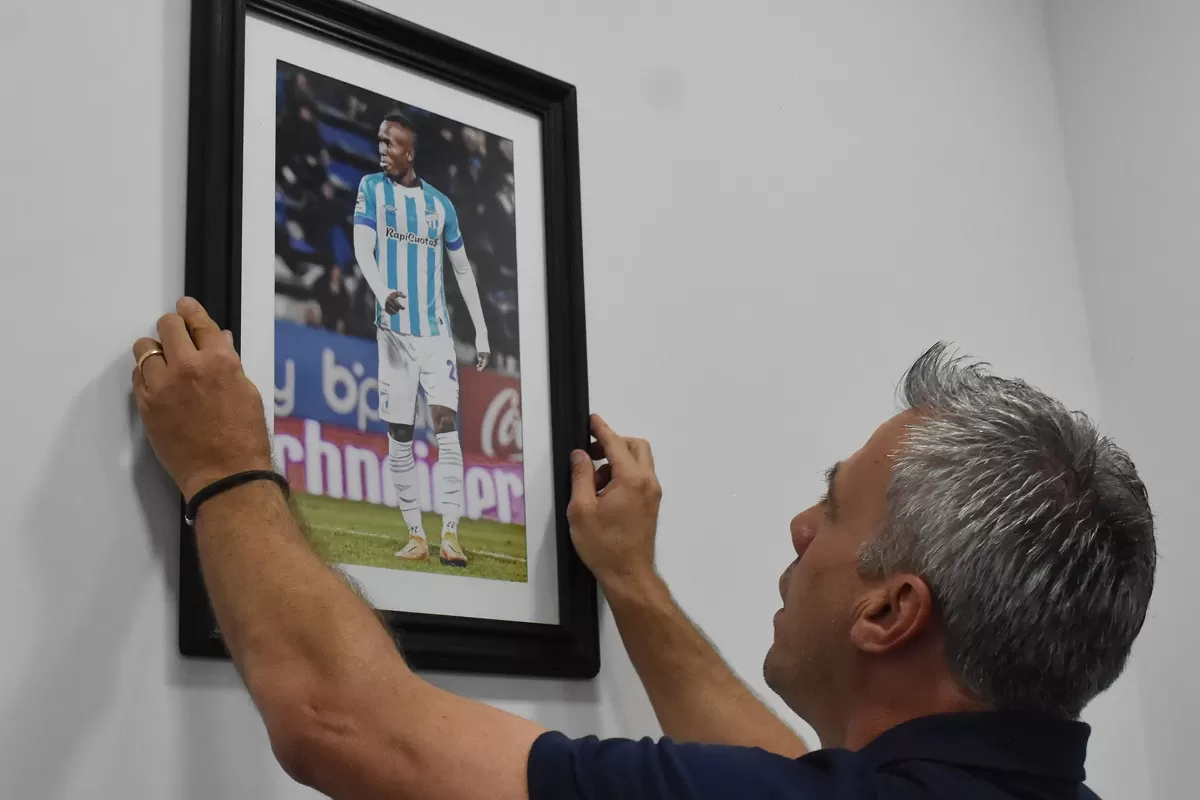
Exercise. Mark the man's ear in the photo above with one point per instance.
(892, 613)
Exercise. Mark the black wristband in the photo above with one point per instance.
(229, 482)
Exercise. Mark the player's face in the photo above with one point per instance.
(396, 149)
(812, 658)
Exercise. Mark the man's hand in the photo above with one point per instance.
(613, 515)
(393, 305)
(203, 416)
(614, 511)
(481, 359)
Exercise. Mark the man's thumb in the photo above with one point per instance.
(583, 475)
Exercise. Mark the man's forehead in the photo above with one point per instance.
(869, 469)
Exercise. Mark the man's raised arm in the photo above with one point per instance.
(696, 696)
(344, 713)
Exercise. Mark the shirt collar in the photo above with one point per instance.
(1032, 744)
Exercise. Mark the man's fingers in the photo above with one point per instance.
(139, 383)
(174, 336)
(204, 332)
(151, 366)
(596, 451)
(144, 345)
(603, 477)
(583, 482)
(641, 451)
(615, 448)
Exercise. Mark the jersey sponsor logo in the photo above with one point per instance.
(410, 238)
(431, 222)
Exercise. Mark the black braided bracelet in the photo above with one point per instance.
(229, 482)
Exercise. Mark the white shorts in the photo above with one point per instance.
(408, 361)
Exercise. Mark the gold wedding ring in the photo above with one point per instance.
(147, 354)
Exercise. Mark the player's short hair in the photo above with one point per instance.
(400, 118)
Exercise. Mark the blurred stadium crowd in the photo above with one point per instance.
(325, 142)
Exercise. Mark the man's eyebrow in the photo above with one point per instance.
(830, 499)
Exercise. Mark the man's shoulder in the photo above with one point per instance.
(561, 767)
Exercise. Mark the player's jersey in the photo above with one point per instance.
(411, 224)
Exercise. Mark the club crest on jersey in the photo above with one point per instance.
(431, 223)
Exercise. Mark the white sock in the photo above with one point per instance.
(450, 479)
(404, 476)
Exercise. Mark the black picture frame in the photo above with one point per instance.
(569, 649)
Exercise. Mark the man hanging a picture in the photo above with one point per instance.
(402, 226)
(975, 574)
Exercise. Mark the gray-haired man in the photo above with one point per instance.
(975, 574)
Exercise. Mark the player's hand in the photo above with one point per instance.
(203, 416)
(393, 304)
(614, 510)
(483, 350)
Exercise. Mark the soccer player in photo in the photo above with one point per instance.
(402, 226)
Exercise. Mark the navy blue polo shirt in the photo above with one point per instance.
(961, 756)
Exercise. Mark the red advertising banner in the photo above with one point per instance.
(331, 460)
(489, 415)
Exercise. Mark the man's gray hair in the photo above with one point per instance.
(1032, 530)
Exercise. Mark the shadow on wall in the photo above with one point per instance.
(92, 572)
(567, 706)
(96, 575)
(613, 704)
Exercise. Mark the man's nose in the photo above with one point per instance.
(802, 533)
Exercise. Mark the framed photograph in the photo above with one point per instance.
(389, 222)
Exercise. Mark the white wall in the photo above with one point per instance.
(1127, 86)
(805, 194)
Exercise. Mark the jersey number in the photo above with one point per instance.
(453, 371)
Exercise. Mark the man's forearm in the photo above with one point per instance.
(695, 694)
(290, 622)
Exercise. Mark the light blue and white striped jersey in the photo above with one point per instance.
(411, 224)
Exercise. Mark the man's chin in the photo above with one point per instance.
(770, 672)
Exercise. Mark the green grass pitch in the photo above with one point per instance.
(368, 534)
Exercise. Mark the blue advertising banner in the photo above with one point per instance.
(329, 377)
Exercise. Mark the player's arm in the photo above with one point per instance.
(344, 713)
(365, 237)
(695, 694)
(465, 277)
